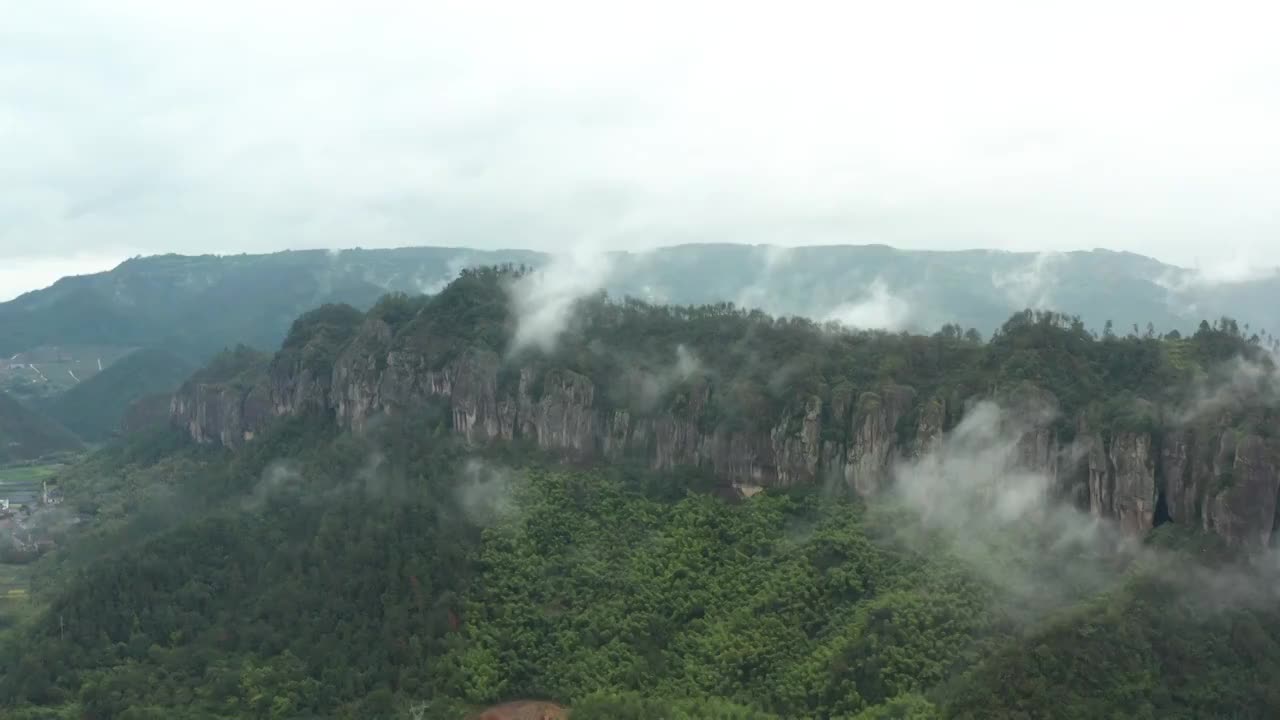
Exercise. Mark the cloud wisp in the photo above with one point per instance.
(454, 267)
(544, 299)
(1244, 265)
(1032, 285)
(976, 496)
(1237, 383)
(758, 295)
(878, 309)
(645, 388)
(486, 493)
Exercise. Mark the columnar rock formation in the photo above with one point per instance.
(1212, 478)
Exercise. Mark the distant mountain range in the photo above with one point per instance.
(195, 306)
(813, 522)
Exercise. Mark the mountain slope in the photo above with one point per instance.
(676, 512)
(26, 434)
(1154, 648)
(95, 408)
(199, 305)
(764, 402)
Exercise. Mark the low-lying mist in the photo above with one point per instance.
(973, 499)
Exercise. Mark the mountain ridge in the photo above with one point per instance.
(197, 305)
(1101, 417)
(447, 502)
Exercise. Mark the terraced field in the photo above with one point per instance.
(15, 602)
(20, 484)
(52, 370)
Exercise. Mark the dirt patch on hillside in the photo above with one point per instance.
(524, 710)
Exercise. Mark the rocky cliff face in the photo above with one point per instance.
(1133, 481)
(1212, 479)
(1096, 467)
(933, 418)
(1183, 469)
(560, 410)
(1240, 504)
(874, 440)
(224, 414)
(1205, 478)
(800, 453)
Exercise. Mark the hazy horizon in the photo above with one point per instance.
(35, 274)
(143, 127)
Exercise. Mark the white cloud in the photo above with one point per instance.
(999, 517)
(776, 256)
(880, 309)
(280, 477)
(1229, 267)
(544, 299)
(453, 268)
(1002, 520)
(1031, 286)
(758, 294)
(687, 364)
(486, 494)
(1235, 383)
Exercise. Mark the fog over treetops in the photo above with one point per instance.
(480, 360)
(200, 304)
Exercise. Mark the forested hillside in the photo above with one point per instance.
(1137, 429)
(198, 305)
(94, 409)
(652, 511)
(194, 307)
(26, 434)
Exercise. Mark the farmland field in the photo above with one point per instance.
(48, 371)
(15, 602)
(21, 483)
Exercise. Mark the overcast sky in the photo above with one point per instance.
(139, 127)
